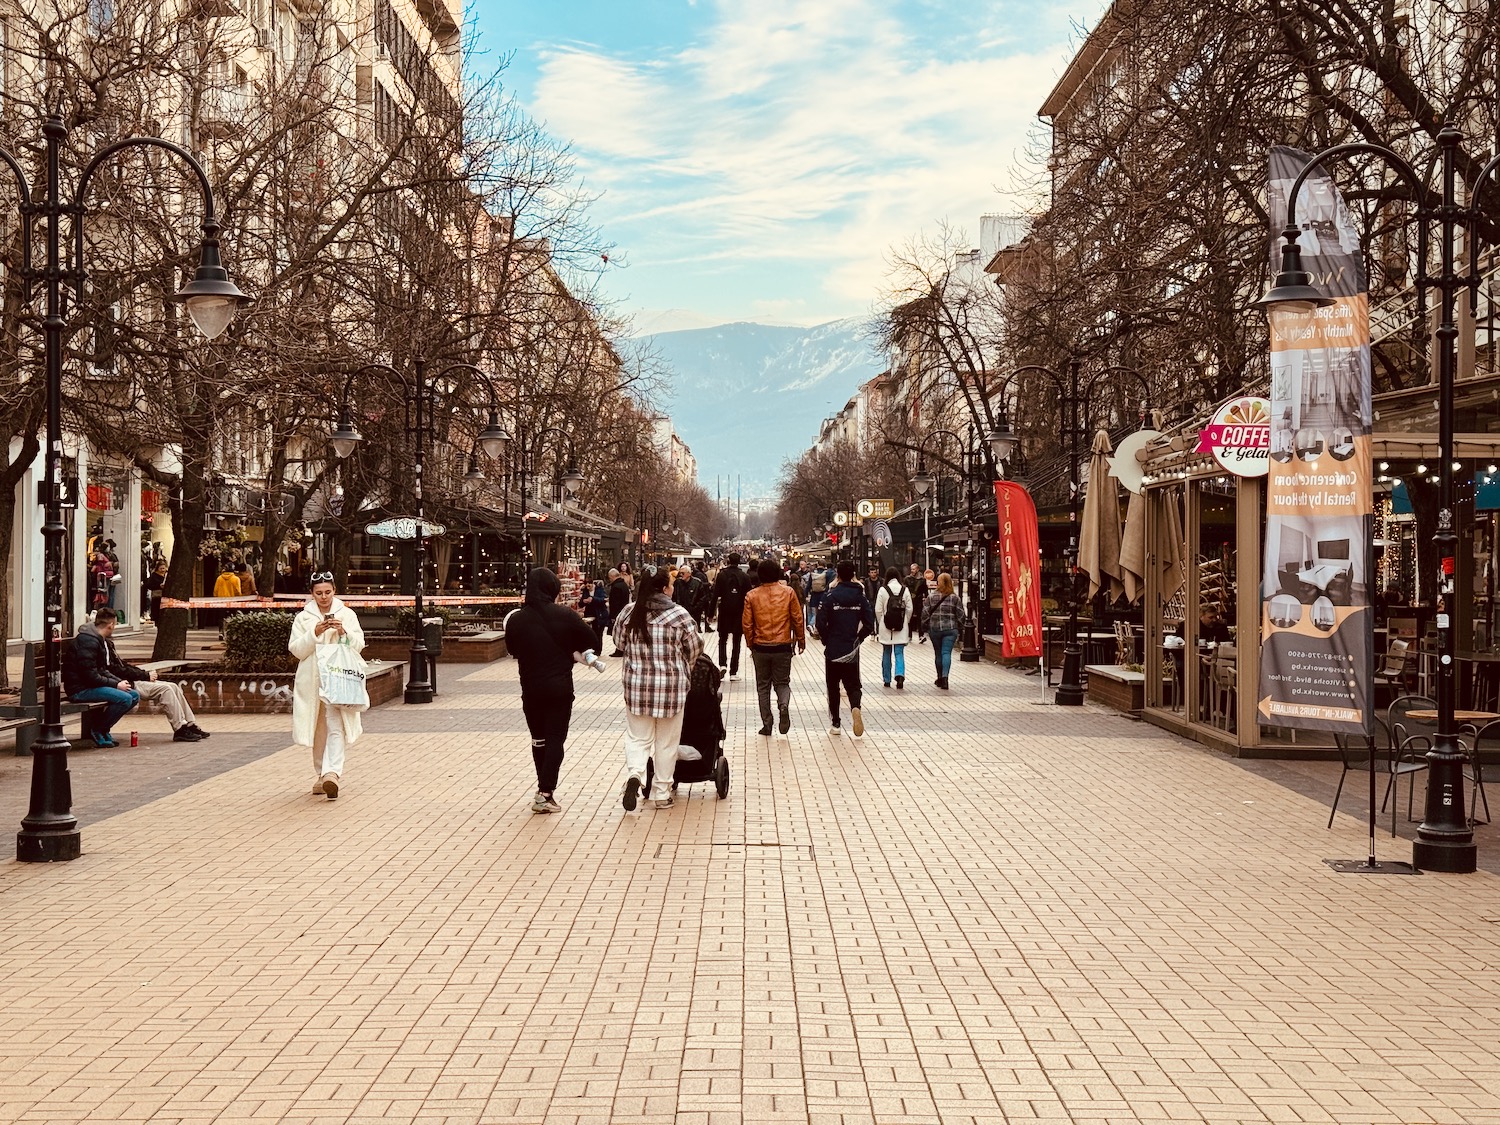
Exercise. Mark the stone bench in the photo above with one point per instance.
(475, 648)
(1117, 686)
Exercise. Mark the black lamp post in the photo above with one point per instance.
(653, 515)
(1445, 840)
(528, 447)
(49, 830)
(1071, 400)
(421, 405)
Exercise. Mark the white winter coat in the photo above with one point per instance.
(305, 693)
(901, 636)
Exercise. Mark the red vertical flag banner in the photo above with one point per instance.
(1020, 570)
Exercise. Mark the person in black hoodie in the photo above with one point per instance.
(619, 598)
(845, 619)
(730, 588)
(543, 636)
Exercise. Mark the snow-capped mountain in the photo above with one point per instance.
(747, 396)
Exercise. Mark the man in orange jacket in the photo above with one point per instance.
(773, 631)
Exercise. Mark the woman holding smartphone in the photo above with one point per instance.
(328, 729)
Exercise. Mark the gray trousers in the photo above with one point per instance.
(169, 696)
(772, 669)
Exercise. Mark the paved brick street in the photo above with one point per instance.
(987, 910)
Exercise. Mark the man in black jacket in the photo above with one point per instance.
(543, 636)
(730, 588)
(94, 673)
(845, 619)
(619, 598)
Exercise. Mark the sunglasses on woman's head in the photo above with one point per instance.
(322, 576)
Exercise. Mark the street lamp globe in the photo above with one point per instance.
(211, 299)
(475, 476)
(1293, 302)
(1002, 442)
(345, 437)
(493, 439)
(572, 480)
(922, 481)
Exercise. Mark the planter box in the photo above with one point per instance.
(458, 648)
(222, 693)
(1118, 687)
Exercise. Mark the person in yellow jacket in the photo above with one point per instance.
(226, 586)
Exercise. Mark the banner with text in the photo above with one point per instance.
(1316, 623)
(1020, 570)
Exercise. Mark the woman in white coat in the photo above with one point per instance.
(893, 600)
(328, 729)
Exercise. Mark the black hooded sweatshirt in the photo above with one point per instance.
(543, 636)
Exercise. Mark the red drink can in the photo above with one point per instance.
(134, 741)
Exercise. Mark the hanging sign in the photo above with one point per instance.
(1317, 643)
(875, 509)
(1239, 436)
(404, 527)
(1020, 570)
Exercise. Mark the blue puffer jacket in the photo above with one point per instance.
(845, 618)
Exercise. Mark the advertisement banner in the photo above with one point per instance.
(1020, 570)
(1316, 622)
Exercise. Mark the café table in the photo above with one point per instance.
(1483, 683)
(1476, 721)
(1429, 715)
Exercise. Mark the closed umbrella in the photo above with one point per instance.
(1099, 541)
(1171, 551)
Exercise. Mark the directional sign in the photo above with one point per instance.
(403, 527)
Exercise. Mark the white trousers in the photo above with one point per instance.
(657, 739)
(328, 742)
(172, 701)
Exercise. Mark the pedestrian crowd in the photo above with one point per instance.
(656, 621)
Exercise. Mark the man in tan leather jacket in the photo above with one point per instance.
(773, 631)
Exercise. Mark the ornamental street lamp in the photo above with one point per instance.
(421, 406)
(1445, 839)
(1072, 400)
(49, 830)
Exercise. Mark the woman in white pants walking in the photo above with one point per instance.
(326, 728)
(660, 643)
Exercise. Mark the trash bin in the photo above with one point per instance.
(432, 635)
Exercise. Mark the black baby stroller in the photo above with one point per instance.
(703, 729)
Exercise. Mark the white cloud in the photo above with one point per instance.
(815, 134)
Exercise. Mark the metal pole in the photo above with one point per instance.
(970, 652)
(1070, 690)
(1445, 842)
(49, 831)
(419, 678)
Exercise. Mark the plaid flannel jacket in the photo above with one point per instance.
(657, 671)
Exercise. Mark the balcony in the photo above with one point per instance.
(224, 109)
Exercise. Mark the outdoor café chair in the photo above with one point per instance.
(1393, 672)
(1490, 733)
(1408, 748)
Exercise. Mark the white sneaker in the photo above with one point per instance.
(664, 804)
(835, 732)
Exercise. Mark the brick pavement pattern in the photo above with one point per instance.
(988, 910)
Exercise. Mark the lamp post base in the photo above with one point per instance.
(48, 847)
(49, 833)
(419, 681)
(1070, 691)
(1451, 859)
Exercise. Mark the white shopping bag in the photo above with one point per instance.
(341, 676)
(689, 754)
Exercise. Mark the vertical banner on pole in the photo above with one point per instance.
(1316, 623)
(1020, 570)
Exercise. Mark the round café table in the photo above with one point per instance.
(1429, 715)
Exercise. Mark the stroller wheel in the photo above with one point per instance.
(721, 777)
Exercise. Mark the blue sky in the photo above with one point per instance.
(759, 159)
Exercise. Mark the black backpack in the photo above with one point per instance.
(895, 611)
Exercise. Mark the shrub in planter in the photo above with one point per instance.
(256, 642)
(403, 621)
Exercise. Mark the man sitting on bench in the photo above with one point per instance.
(94, 673)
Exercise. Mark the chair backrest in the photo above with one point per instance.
(1124, 643)
(1402, 728)
(1396, 657)
(1225, 664)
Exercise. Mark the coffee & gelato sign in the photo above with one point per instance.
(1239, 436)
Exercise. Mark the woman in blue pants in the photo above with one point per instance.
(944, 617)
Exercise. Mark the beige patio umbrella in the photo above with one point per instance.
(1099, 536)
(1133, 548)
